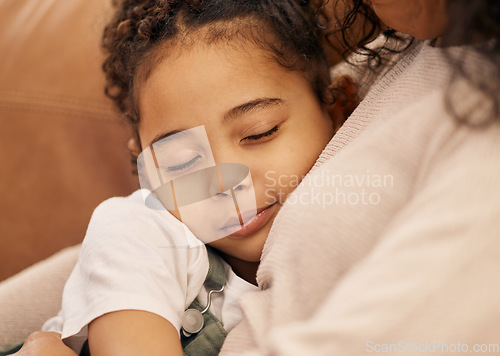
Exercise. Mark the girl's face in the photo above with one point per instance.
(423, 19)
(254, 112)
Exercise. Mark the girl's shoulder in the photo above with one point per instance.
(127, 225)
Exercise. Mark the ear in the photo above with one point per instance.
(134, 148)
(345, 93)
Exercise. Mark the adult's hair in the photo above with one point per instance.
(474, 23)
(141, 31)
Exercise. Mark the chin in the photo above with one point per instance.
(248, 249)
(251, 257)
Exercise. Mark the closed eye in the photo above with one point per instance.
(261, 135)
(183, 166)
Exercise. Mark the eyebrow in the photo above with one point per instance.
(254, 105)
(163, 136)
(237, 111)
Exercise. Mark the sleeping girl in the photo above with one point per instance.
(218, 93)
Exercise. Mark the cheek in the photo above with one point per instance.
(312, 138)
(283, 171)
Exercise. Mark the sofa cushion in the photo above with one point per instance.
(62, 145)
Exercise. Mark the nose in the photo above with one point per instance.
(233, 169)
(215, 186)
(246, 182)
(229, 177)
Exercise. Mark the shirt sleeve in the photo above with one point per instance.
(133, 258)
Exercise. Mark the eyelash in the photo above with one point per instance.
(264, 134)
(257, 137)
(183, 166)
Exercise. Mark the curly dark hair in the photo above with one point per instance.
(474, 23)
(133, 39)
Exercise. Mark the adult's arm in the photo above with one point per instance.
(431, 282)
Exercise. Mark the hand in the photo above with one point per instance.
(44, 344)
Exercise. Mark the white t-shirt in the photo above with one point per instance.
(135, 257)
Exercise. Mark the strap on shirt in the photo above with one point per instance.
(209, 340)
(216, 276)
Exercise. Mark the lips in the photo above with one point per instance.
(252, 222)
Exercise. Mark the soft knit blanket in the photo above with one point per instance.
(392, 242)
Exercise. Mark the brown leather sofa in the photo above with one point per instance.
(62, 146)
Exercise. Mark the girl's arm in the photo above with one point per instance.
(133, 332)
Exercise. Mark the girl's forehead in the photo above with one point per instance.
(196, 50)
(214, 73)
